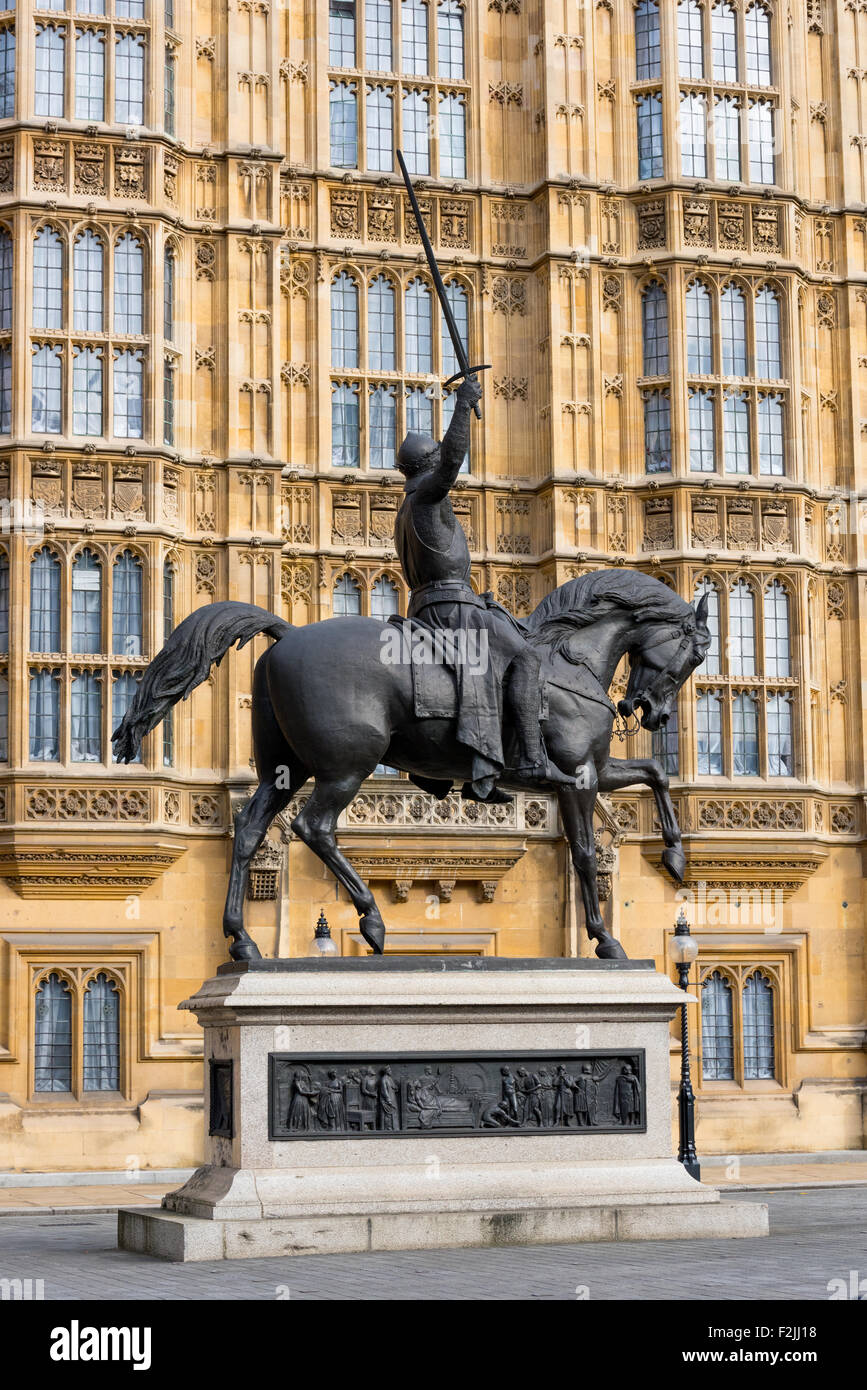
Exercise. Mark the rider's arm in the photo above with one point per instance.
(438, 484)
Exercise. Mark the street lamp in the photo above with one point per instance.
(683, 949)
(322, 943)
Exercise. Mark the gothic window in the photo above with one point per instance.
(723, 22)
(168, 401)
(128, 395)
(77, 1034)
(733, 322)
(123, 690)
(381, 334)
(87, 391)
(52, 1050)
(347, 597)
(419, 328)
(776, 615)
(47, 392)
(757, 27)
(742, 630)
(89, 75)
(768, 360)
(6, 389)
(4, 604)
(708, 728)
(459, 303)
(129, 79)
(779, 724)
(343, 121)
(717, 1029)
(377, 31)
(380, 138)
(85, 718)
(710, 666)
(650, 149)
(452, 141)
(168, 600)
(126, 608)
(344, 321)
(169, 295)
(44, 602)
(654, 330)
(450, 39)
(736, 432)
(4, 719)
(47, 280)
(128, 285)
(101, 1036)
(383, 427)
(7, 71)
(761, 142)
(50, 85)
(665, 745)
(44, 717)
(419, 412)
(169, 92)
(690, 52)
(168, 727)
(86, 604)
(6, 265)
(414, 36)
(345, 434)
(758, 1026)
(384, 599)
(699, 340)
(745, 736)
(87, 275)
(770, 411)
(727, 138)
(702, 446)
(693, 127)
(647, 42)
(416, 132)
(341, 33)
(657, 432)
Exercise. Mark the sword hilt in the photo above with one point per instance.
(462, 376)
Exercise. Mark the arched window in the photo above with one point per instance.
(101, 1036)
(87, 390)
(384, 599)
(777, 653)
(381, 351)
(85, 738)
(665, 745)
(723, 25)
(86, 604)
(44, 602)
(761, 140)
(419, 412)
(742, 630)
(745, 736)
(380, 130)
(168, 599)
(654, 330)
(647, 46)
(126, 608)
(343, 125)
(779, 720)
(699, 342)
(693, 135)
(169, 294)
(4, 603)
(377, 35)
(768, 361)
(6, 389)
(736, 432)
(123, 690)
(345, 437)
(733, 323)
(128, 394)
(717, 1029)
(702, 431)
(347, 597)
(450, 40)
(341, 33)
(416, 132)
(708, 729)
(690, 51)
(757, 27)
(50, 71)
(419, 328)
(344, 321)
(46, 404)
(383, 427)
(44, 717)
(128, 285)
(711, 664)
(452, 133)
(4, 719)
(129, 79)
(413, 27)
(6, 263)
(47, 280)
(650, 148)
(771, 456)
(657, 432)
(459, 302)
(7, 72)
(89, 75)
(758, 1012)
(727, 137)
(52, 1052)
(87, 274)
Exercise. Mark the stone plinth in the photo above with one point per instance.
(446, 1121)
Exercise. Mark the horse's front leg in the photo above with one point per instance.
(576, 808)
(617, 773)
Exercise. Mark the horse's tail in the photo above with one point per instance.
(196, 644)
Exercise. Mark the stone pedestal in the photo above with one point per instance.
(472, 1101)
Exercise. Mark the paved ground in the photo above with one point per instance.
(816, 1237)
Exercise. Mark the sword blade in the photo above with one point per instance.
(460, 351)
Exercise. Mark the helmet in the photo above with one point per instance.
(415, 452)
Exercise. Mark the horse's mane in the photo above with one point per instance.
(580, 602)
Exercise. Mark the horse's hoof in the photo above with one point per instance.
(609, 949)
(373, 930)
(244, 950)
(674, 860)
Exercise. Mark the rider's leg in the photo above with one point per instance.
(521, 692)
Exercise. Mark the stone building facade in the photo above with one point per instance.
(216, 322)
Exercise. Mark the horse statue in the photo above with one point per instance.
(327, 705)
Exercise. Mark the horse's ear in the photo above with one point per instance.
(701, 610)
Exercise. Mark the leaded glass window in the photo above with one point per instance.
(5, 390)
(126, 606)
(768, 357)
(383, 427)
(693, 141)
(665, 745)
(345, 433)
(169, 295)
(453, 152)
(710, 666)
(717, 1029)
(654, 330)
(757, 1001)
(341, 33)
(419, 327)
(757, 28)
(384, 599)
(129, 53)
(647, 42)
(745, 736)
(128, 395)
(650, 150)
(86, 604)
(727, 138)
(414, 45)
(7, 72)
(419, 412)
(4, 719)
(690, 52)
(380, 128)
(6, 265)
(85, 718)
(777, 646)
(87, 277)
(44, 602)
(129, 9)
(381, 334)
(761, 139)
(86, 391)
(416, 132)
(450, 40)
(344, 321)
(702, 442)
(657, 432)
(47, 280)
(343, 125)
(168, 401)
(733, 323)
(779, 723)
(347, 597)
(50, 87)
(101, 1036)
(377, 35)
(723, 24)
(4, 604)
(44, 717)
(52, 1049)
(89, 75)
(770, 412)
(708, 734)
(736, 433)
(168, 599)
(128, 285)
(699, 341)
(47, 393)
(742, 630)
(169, 92)
(459, 303)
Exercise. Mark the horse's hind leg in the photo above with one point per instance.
(315, 825)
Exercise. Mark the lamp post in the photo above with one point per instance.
(683, 949)
(322, 943)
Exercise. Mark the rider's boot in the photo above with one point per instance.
(522, 706)
(495, 797)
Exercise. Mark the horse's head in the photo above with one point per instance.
(665, 652)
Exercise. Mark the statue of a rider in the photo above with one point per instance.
(507, 688)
